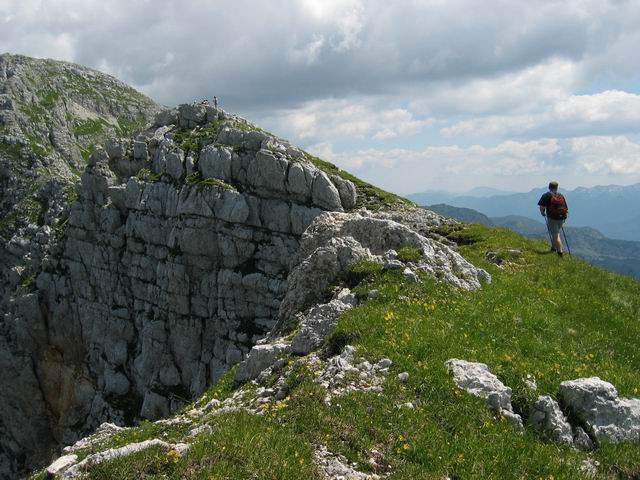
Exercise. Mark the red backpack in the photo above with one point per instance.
(557, 208)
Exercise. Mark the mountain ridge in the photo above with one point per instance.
(622, 256)
(606, 208)
(213, 301)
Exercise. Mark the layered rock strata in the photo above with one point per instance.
(162, 281)
(182, 253)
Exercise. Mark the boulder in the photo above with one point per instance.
(347, 190)
(167, 116)
(315, 324)
(476, 379)
(546, 417)
(335, 240)
(267, 172)
(140, 151)
(62, 464)
(230, 136)
(260, 358)
(191, 115)
(253, 140)
(597, 405)
(300, 181)
(169, 159)
(324, 193)
(215, 162)
(116, 148)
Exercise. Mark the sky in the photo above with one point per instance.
(411, 95)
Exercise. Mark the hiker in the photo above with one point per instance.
(215, 102)
(553, 206)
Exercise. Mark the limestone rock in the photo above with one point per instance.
(347, 191)
(315, 325)
(191, 115)
(547, 417)
(117, 148)
(268, 172)
(260, 358)
(167, 116)
(476, 379)
(337, 467)
(79, 469)
(324, 193)
(300, 181)
(335, 240)
(596, 403)
(61, 464)
(215, 162)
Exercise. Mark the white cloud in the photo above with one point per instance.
(344, 72)
(514, 92)
(508, 158)
(339, 119)
(607, 155)
(611, 111)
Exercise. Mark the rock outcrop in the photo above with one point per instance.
(178, 252)
(589, 411)
(52, 114)
(334, 241)
(161, 282)
(476, 379)
(605, 416)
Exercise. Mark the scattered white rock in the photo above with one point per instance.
(212, 404)
(410, 275)
(530, 382)
(102, 433)
(79, 469)
(194, 432)
(385, 363)
(339, 375)
(590, 467)
(547, 417)
(61, 464)
(596, 403)
(403, 377)
(316, 323)
(260, 358)
(337, 467)
(476, 379)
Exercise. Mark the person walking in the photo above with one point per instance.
(554, 207)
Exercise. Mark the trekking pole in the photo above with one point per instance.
(565, 241)
(546, 221)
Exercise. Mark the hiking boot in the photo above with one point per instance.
(553, 249)
(560, 254)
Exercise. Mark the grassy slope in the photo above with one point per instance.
(555, 319)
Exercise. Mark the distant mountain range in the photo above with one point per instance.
(620, 256)
(612, 209)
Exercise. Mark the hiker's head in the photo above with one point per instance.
(553, 186)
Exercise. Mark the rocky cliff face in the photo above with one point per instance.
(52, 114)
(181, 253)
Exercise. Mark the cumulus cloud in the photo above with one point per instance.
(407, 170)
(608, 112)
(338, 119)
(263, 53)
(398, 75)
(607, 155)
